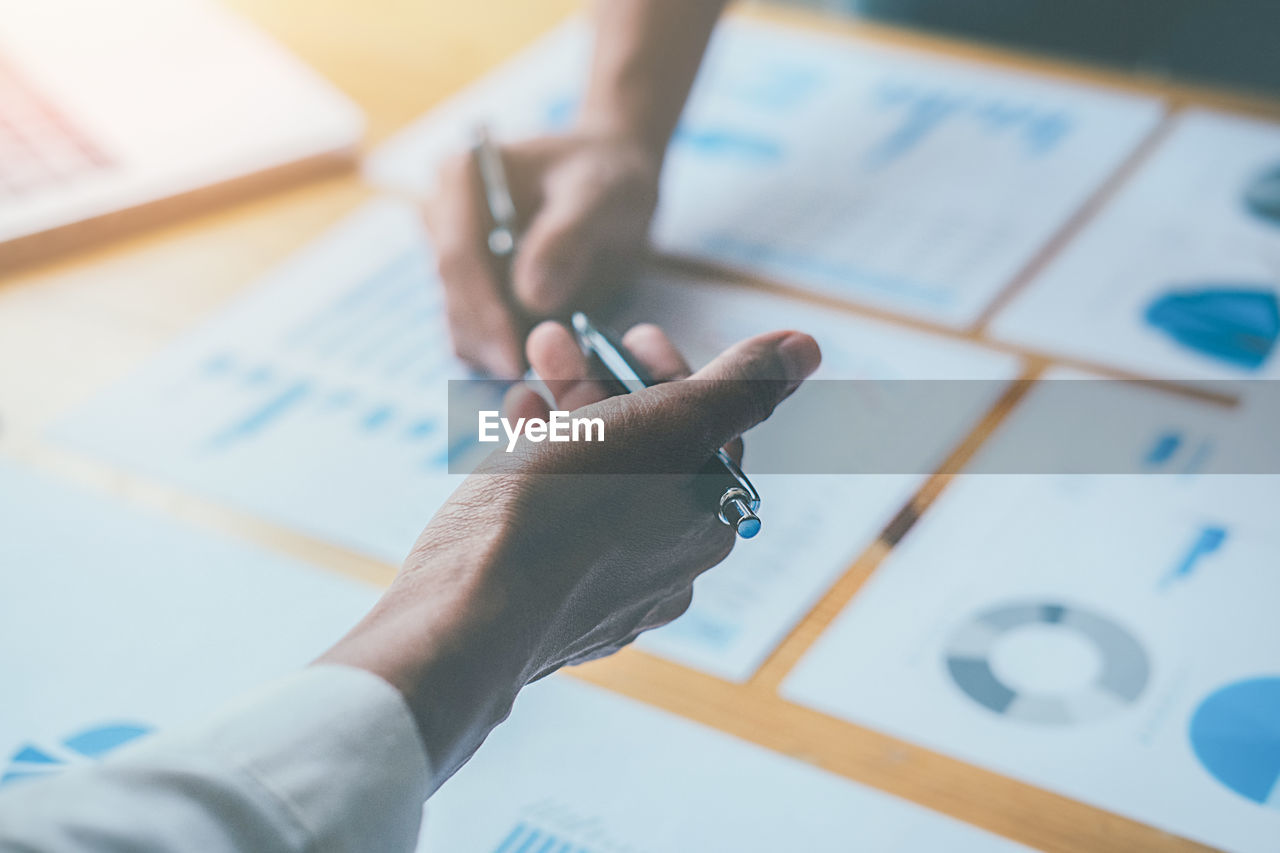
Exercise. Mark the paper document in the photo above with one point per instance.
(93, 585)
(319, 401)
(115, 622)
(578, 769)
(918, 185)
(1110, 638)
(815, 525)
(1178, 277)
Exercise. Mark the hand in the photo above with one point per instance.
(585, 201)
(547, 557)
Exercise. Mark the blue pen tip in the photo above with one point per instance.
(748, 527)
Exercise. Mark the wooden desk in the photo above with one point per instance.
(74, 325)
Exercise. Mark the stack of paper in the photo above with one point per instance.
(319, 401)
(1111, 638)
(1179, 276)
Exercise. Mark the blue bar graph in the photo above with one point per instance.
(923, 111)
(383, 335)
(524, 838)
(264, 416)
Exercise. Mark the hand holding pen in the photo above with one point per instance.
(585, 202)
(738, 502)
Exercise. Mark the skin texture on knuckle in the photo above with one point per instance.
(597, 200)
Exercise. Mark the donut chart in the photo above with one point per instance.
(1121, 678)
(1235, 734)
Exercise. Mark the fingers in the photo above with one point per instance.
(521, 401)
(553, 262)
(654, 349)
(743, 385)
(556, 358)
(595, 212)
(554, 355)
(484, 331)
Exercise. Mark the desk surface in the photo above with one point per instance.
(71, 326)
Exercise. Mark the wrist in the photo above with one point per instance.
(446, 637)
(628, 132)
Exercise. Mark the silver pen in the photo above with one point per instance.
(740, 501)
(503, 233)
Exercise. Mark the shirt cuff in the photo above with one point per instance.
(340, 750)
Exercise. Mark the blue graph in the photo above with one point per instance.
(1231, 322)
(1163, 449)
(752, 252)
(1235, 734)
(31, 760)
(707, 140)
(364, 361)
(1173, 452)
(775, 87)
(729, 143)
(1207, 541)
(525, 838)
(921, 111)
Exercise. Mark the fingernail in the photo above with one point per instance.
(800, 355)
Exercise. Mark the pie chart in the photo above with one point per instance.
(32, 760)
(1235, 733)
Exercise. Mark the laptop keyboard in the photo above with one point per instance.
(39, 148)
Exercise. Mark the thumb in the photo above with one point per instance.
(744, 384)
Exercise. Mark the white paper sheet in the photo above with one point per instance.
(578, 769)
(918, 185)
(318, 401)
(1110, 638)
(114, 620)
(815, 524)
(1182, 225)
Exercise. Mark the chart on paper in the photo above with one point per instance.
(909, 183)
(1179, 276)
(92, 585)
(815, 525)
(318, 401)
(1111, 638)
(557, 778)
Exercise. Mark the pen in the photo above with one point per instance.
(502, 236)
(739, 502)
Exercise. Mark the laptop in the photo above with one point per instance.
(114, 115)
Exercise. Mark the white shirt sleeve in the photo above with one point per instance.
(329, 759)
